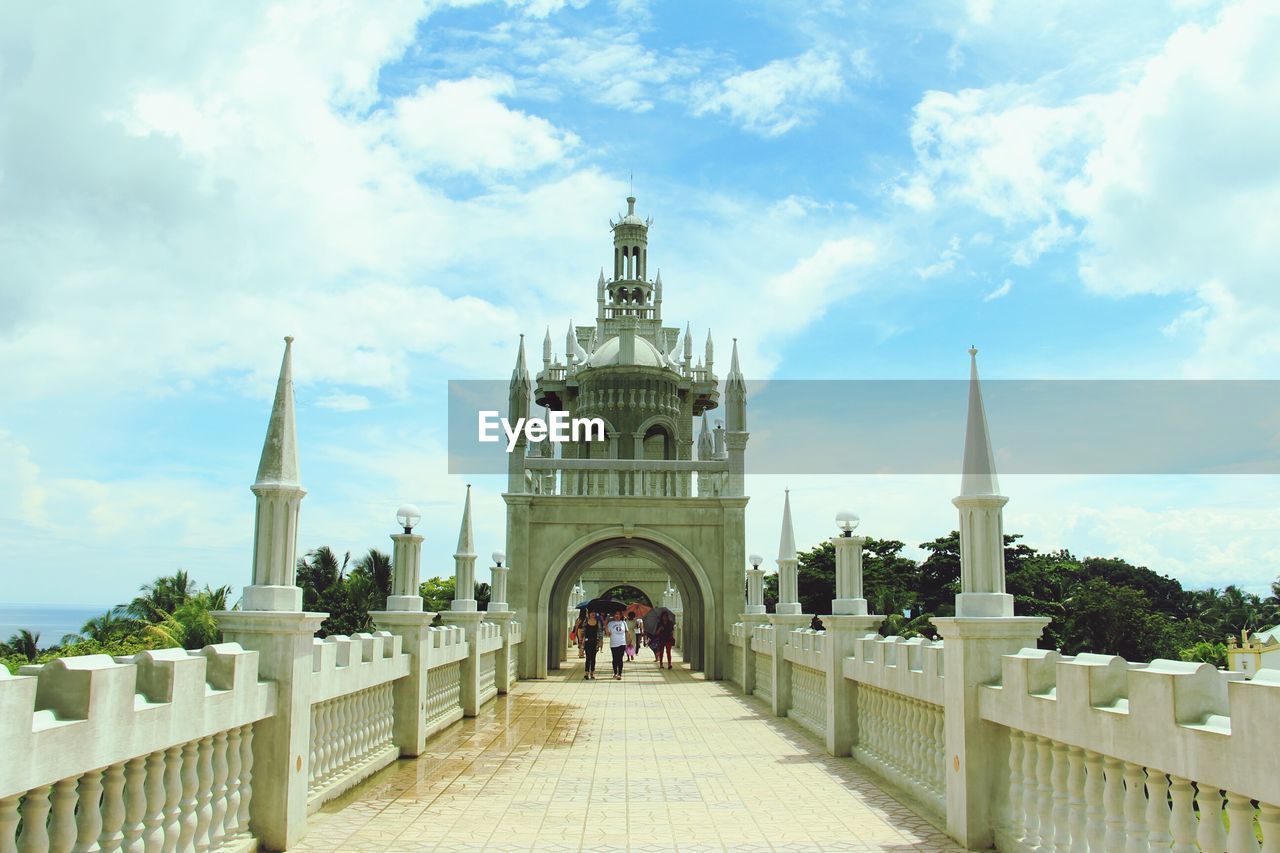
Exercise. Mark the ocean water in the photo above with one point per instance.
(49, 621)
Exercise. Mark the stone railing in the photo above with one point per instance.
(1109, 755)
(1092, 753)
(164, 750)
(628, 478)
(352, 713)
(154, 751)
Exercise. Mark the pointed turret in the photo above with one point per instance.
(518, 390)
(787, 542)
(788, 588)
(546, 350)
(735, 392)
(464, 561)
(981, 507)
(570, 344)
(657, 297)
(688, 344)
(279, 463)
(710, 353)
(279, 497)
(706, 444)
(978, 476)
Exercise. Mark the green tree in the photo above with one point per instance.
(1208, 652)
(163, 595)
(25, 644)
(940, 575)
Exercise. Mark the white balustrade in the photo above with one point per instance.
(444, 693)
(764, 676)
(488, 687)
(148, 803)
(902, 738)
(809, 699)
(1064, 797)
(628, 478)
(348, 732)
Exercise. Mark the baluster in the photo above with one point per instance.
(317, 744)
(1210, 832)
(172, 797)
(939, 751)
(343, 757)
(9, 824)
(325, 715)
(1061, 797)
(246, 775)
(153, 820)
(916, 724)
(218, 813)
(1240, 834)
(1095, 814)
(204, 794)
(1269, 820)
(1135, 804)
(1044, 789)
(231, 823)
(1182, 823)
(35, 817)
(112, 809)
(88, 813)
(188, 805)
(1077, 823)
(62, 822)
(1014, 820)
(1030, 812)
(1158, 810)
(135, 803)
(1113, 803)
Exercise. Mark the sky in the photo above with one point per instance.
(1084, 190)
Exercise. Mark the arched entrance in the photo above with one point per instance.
(629, 593)
(687, 575)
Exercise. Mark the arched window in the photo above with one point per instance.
(658, 444)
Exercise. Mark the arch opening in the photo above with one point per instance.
(671, 563)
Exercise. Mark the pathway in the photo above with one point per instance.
(662, 760)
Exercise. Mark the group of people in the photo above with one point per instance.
(626, 634)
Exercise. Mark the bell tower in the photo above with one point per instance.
(630, 293)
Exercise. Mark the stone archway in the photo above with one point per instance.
(687, 575)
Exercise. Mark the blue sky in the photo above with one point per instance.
(854, 190)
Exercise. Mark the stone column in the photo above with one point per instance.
(469, 621)
(977, 752)
(783, 625)
(500, 613)
(750, 621)
(405, 617)
(849, 600)
(842, 694)
(282, 742)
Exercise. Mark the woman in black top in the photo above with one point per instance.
(591, 640)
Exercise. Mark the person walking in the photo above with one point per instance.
(637, 635)
(617, 630)
(631, 636)
(664, 637)
(591, 643)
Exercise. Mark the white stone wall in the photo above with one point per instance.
(155, 752)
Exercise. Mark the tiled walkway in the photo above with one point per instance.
(659, 761)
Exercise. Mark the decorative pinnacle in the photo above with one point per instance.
(466, 544)
(787, 542)
(978, 476)
(279, 462)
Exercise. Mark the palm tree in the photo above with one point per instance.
(162, 596)
(26, 644)
(107, 627)
(319, 573)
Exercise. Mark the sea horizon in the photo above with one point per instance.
(50, 621)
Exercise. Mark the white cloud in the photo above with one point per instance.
(776, 97)
(344, 402)
(1165, 179)
(945, 263)
(1001, 291)
(460, 125)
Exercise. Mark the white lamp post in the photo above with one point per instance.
(755, 585)
(406, 556)
(848, 600)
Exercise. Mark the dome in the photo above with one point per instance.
(607, 354)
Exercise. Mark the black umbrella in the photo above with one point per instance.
(651, 619)
(603, 605)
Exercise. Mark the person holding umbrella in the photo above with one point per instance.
(617, 630)
(664, 636)
(591, 641)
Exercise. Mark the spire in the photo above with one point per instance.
(735, 392)
(546, 347)
(570, 343)
(279, 462)
(521, 371)
(787, 544)
(735, 372)
(710, 351)
(466, 544)
(979, 473)
(688, 342)
(706, 445)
